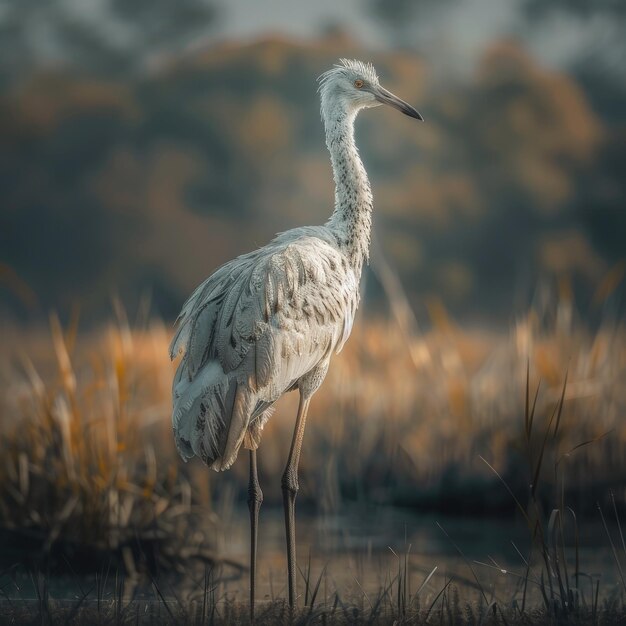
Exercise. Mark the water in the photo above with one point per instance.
(361, 551)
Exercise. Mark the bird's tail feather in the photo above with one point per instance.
(211, 415)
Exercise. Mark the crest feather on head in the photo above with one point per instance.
(365, 71)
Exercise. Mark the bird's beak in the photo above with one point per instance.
(386, 97)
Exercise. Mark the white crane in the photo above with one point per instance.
(269, 321)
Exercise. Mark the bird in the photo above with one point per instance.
(268, 322)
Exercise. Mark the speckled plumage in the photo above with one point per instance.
(269, 321)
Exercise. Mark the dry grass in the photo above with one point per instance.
(87, 457)
(391, 604)
(82, 472)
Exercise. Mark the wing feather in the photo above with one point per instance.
(272, 315)
(264, 357)
(202, 337)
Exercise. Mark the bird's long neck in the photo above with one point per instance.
(351, 220)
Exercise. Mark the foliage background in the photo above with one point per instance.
(142, 145)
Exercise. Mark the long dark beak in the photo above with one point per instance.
(386, 97)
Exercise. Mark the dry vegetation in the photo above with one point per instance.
(88, 470)
(86, 436)
(81, 469)
(385, 608)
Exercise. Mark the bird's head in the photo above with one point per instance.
(353, 85)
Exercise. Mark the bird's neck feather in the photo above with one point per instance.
(352, 218)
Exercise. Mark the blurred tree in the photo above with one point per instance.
(582, 8)
(162, 24)
(109, 36)
(399, 15)
(599, 65)
(18, 20)
(152, 182)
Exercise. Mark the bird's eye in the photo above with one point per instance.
(358, 83)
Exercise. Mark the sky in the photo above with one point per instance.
(452, 31)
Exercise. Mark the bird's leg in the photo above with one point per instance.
(290, 489)
(255, 498)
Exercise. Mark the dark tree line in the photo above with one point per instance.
(116, 37)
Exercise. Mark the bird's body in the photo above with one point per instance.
(269, 321)
(263, 324)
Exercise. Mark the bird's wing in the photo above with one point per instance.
(272, 315)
